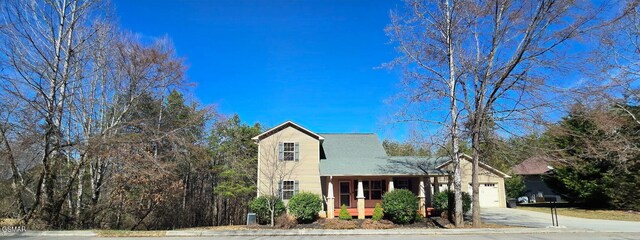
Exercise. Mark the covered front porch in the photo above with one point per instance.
(360, 194)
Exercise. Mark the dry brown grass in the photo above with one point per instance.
(220, 228)
(5, 222)
(591, 214)
(126, 233)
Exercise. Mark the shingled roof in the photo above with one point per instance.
(361, 154)
(533, 166)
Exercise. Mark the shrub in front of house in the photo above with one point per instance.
(344, 213)
(418, 217)
(445, 201)
(441, 201)
(260, 206)
(400, 206)
(305, 206)
(377, 213)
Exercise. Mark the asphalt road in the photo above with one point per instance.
(544, 236)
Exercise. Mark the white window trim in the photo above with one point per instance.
(293, 152)
(292, 190)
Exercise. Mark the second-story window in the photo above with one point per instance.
(289, 151)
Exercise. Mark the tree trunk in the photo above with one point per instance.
(17, 182)
(457, 179)
(272, 210)
(474, 179)
(78, 212)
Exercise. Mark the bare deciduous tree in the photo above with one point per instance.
(509, 61)
(616, 61)
(273, 169)
(90, 100)
(44, 42)
(427, 38)
(489, 59)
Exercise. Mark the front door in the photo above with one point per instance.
(345, 194)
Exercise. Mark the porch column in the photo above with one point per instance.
(421, 197)
(428, 192)
(330, 201)
(360, 198)
(391, 186)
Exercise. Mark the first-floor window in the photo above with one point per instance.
(402, 184)
(371, 189)
(376, 190)
(288, 188)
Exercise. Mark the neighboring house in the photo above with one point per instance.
(532, 169)
(353, 169)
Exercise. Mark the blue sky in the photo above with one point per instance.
(312, 62)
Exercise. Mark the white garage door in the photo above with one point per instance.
(489, 195)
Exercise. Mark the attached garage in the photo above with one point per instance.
(491, 187)
(489, 195)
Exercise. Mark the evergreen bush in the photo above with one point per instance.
(260, 206)
(305, 206)
(400, 206)
(445, 201)
(344, 214)
(377, 213)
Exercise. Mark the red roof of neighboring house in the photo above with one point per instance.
(532, 166)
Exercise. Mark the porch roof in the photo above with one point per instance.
(362, 154)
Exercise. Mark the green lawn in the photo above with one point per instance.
(592, 214)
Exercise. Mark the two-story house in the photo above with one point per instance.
(353, 169)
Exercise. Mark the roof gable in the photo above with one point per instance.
(480, 164)
(283, 126)
(532, 166)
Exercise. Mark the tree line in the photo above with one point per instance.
(96, 131)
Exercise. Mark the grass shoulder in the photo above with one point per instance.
(128, 233)
(4, 222)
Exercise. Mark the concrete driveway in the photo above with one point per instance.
(524, 218)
